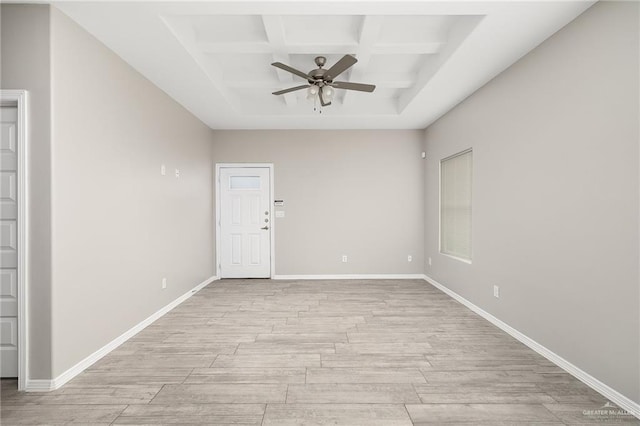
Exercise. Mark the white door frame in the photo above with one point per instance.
(19, 99)
(272, 255)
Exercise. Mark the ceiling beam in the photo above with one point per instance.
(426, 48)
(369, 34)
(383, 80)
(458, 33)
(265, 47)
(274, 28)
(185, 33)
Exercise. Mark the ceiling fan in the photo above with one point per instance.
(321, 81)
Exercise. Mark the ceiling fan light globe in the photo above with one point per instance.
(313, 90)
(328, 91)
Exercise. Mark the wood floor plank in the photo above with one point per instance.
(524, 414)
(336, 414)
(285, 348)
(246, 375)
(350, 393)
(303, 338)
(375, 360)
(93, 396)
(268, 360)
(60, 414)
(486, 393)
(364, 375)
(411, 348)
(180, 414)
(221, 393)
(133, 376)
(388, 337)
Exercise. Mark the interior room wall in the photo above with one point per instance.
(119, 226)
(25, 65)
(348, 193)
(555, 195)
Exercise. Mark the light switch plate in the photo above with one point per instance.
(279, 213)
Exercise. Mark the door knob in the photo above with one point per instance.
(265, 228)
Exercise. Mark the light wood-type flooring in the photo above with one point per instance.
(261, 352)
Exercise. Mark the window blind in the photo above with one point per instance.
(455, 205)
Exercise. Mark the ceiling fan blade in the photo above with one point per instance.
(321, 96)
(291, 70)
(341, 66)
(353, 86)
(290, 89)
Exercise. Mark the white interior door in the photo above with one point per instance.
(245, 222)
(8, 243)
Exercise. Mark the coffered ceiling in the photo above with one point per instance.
(424, 57)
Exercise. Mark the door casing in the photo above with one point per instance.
(20, 99)
(272, 254)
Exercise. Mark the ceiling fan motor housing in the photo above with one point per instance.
(317, 76)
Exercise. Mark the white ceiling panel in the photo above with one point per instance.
(228, 28)
(214, 57)
(415, 29)
(321, 29)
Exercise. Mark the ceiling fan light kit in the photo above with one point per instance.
(320, 82)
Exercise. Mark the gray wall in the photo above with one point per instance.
(555, 201)
(119, 227)
(345, 192)
(24, 31)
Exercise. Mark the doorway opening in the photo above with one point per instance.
(244, 222)
(14, 237)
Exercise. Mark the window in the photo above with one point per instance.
(455, 205)
(244, 182)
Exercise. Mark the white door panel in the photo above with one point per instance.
(8, 199)
(8, 244)
(245, 221)
(8, 153)
(8, 292)
(9, 346)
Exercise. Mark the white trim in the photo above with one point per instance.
(272, 233)
(613, 395)
(20, 98)
(460, 259)
(56, 383)
(351, 277)
(39, 385)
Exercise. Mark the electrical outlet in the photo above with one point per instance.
(409, 258)
(429, 261)
(344, 258)
(164, 283)
(163, 170)
(496, 291)
(177, 173)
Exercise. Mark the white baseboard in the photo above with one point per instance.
(610, 393)
(39, 385)
(351, 277)
(56, 383)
